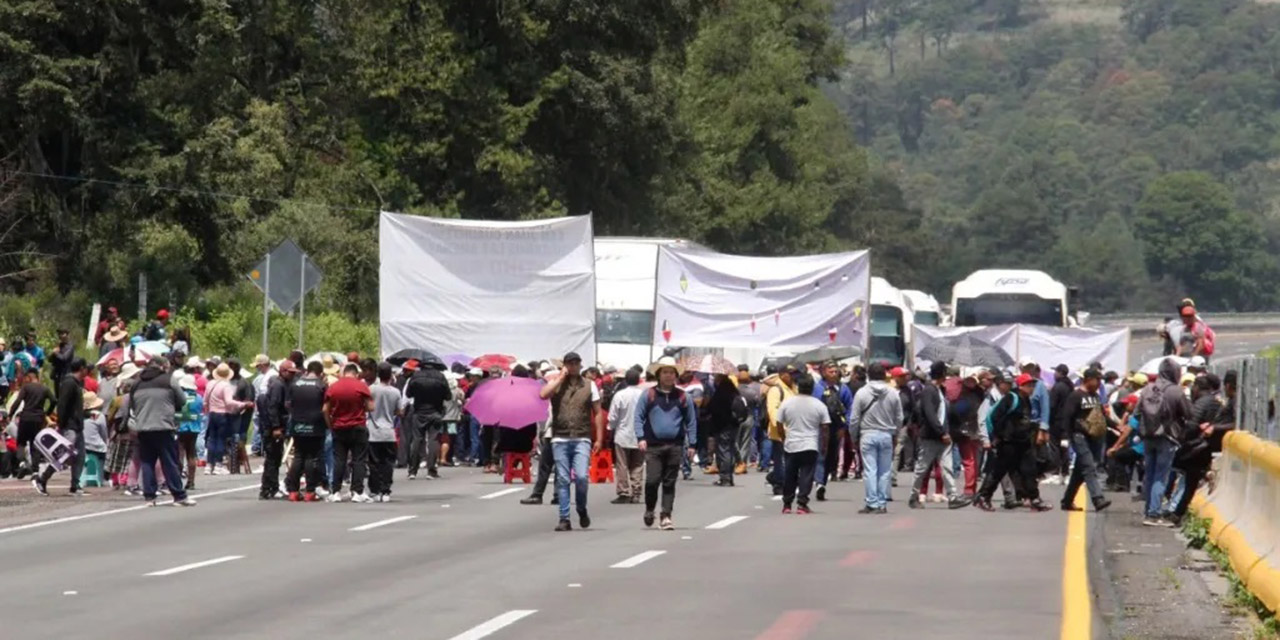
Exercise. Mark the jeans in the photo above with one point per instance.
(306, 458)
(328, 458)
(776, 474)
(162, 446)
(222, 428)
(928, 453)
(256, 447)
(662, 467)
(1085, 471)
(201, 451)
(1158, 462)
(877, 461)
(273, 451)
(76, 464)
(475, 442)
(799, 477)
(727, 454)
(382, 465)
(350, 445)
(573, 455)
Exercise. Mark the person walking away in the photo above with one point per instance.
(967, 432)
(347, 402)
(778, 389)
(273, 421)
(1013, 436)
(806, 421)
(935, 441)
(728, 411)
(224, 418)
(630, 460)
(839, 402)
(1202, 438)
(243, 421)
(1059, 430)
(70, 411)
(388, 404)
(667, 422)
(157, 330)
(153, 403)
(575, 409)
(877, 415)
(1164, 412)
(305, 404)
(750, 391)
(1086, 426)
(63, 354)
(428, 390)
(33, 406)
(189, 423)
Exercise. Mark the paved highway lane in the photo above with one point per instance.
(444, 563)
(1230, 346)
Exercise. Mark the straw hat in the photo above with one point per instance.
(330, 366)
(128, 370)
(666, 362)
(194, 362)
(92, 401)
(223, 372)
(115, 334)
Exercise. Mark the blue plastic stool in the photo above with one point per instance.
(91, 475)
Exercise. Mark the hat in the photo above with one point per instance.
(572, 356)
(545, 367)
(1187, 378)
(937, 370)
(330, 365)
(92, 401)
(1187, 311)
(128, 370)
(897, 372)
(410, 365)
(666, 362)
(790, 369)
(187, 382)
(1025, 378)
(287, 366)
(115, 334)
(1139, 379)
(743, 367)
(213, 360)
(1131, 400)
(163, 314)
(261, 360)
(223, 372)
(1062, 370)
(194, 362)
(1092, 374)
(1027, 362)
(608, 369)
(1197, 362)
(475, 371)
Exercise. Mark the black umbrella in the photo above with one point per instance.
(966, 350)
(779, 362)
(829, 352)
(424, 358)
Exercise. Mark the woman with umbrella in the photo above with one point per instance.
(728, 411)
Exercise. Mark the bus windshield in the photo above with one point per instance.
(615, 326)
(928, 318)
(993, 309)
(887, 343)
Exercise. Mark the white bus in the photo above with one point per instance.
(626, 281)
(1010, 296)
(890, 324)
(925, 308)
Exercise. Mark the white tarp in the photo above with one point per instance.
(1048, 346)
(525, 289)
(708, 299)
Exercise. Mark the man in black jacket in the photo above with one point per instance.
(70, 424)
(60, 359)
(1059, 428)
(273, 419)
(935, 441)
(1082, 409)
(429, 391)
(1014, 437)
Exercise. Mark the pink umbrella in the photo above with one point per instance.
(508, 402)
(132, 353)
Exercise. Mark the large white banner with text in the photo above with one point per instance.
(708, 299)
(525, 289)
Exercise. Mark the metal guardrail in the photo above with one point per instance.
(1256, 395)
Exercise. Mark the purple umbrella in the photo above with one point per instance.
(455, 358)
(508, 402)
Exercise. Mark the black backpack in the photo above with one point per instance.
(835, 406)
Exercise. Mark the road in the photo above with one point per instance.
(1229, 346)
(460, 559)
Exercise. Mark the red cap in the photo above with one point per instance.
(1188, 311)
(411, 365)
(897, 372)
(353, 357)
(1132, 400)
(288, 367)
(163, 314)
(1025, 378)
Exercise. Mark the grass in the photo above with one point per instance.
(1172, 577)
(1239, 599)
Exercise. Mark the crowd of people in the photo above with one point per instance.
(332, 425)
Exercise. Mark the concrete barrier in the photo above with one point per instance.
(1244, 513)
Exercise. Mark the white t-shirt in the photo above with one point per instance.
(802, 417)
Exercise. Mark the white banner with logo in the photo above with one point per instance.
(708, 299)
(1048, 346)
(525, 289)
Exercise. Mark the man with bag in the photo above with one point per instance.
(839, 402)
(1085, 425)
(1014, 435)
(1163, 414)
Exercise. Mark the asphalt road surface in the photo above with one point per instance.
(460, 559)
(1229, 346)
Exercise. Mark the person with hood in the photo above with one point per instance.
(778, 388)
(667, 421)
(273, 420)
(428, 391)
(154, 403)
(728, 411)
(630, 460)
(70, 411)
(839, 402)
(63, 354)
(1164, 413)
(1086, 426)
(877, 415)
(935, 441)
(1195, 455)
(1014, 436)
(1059, 429)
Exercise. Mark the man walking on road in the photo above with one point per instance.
(575, 410)
(839, 402)
(1014, 435)
(667, 422)
(429, 391)
(806, 421)
(346, 404)
(1086, 426)
(877, 414)
(778, 388)
(273, 421)
(935, 441)
(626, 444)
(387, 405)
(153, 403)
(70, 425)
(307, 424)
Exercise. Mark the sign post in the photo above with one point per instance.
(266, 302)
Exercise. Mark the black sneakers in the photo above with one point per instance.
(584, 520)
(532, 500)
(822, 494)
(564, 526)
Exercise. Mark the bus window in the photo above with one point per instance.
(928, 318)
(990, 310)
(887, 343)
(615, 326)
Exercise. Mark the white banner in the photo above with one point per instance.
(1048, 346)
(708, 299)
(525, 289)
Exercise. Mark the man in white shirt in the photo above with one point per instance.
(626, 445)
(805, 421)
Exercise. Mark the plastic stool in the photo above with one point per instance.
(602, 467)
(517, 466)
(91, 475)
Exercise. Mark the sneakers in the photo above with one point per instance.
(77, 493)
(867, 510)
(294, 496)
(1010, 504)
(803, 511)
(786, 511)
(723, 483)
(185, 502)
(882, 511)
(667, 524)
(564, 526)
(822, 494)
(151, 503)
(39, 486)
(938, 498)
(1156, 522)
(584, 520)
(984, 504)
(555, 500)
(1039, 507)
(208, 471)
(322, 492)
(1102, 504)
(959, 502)
(915, 503)
(361, 498)
(413, 476)
(311, 497)
(333, 497)
(532, 500)
(1066, 506)
(648, 518)
(386, 497)
(617, 500)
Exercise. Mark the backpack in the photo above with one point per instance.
(835, 406)
(1095, 424)
(1209, 338)
(1153, 422)
(741, 412)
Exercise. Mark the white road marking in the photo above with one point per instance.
(489, 628)
(305, 540)
(70, 593)
(194, 565)
(759, 506)
(504, 492)
(637, 559)
(727, 522)
(686, 537)
(381, 523)
(444, 506)
(111, 512)
(575, 585)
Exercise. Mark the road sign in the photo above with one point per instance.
(286, 275)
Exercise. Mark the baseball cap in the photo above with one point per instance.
(1062, 370)
(1131, 400)
(938, 370)
(261, 360)
(572, 356)
(1187, 311)
(791, 369)
(162, 314)
(1139, 379)
(897, 372)
(1025, 378)
(411, 365)
(743, 367)
(1197, 362)
(1092, 374)
(1027, 362)
(287, 366)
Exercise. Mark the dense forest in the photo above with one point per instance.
(1126, 147)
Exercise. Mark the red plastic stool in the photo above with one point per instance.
(518, 465)
(602, 467)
